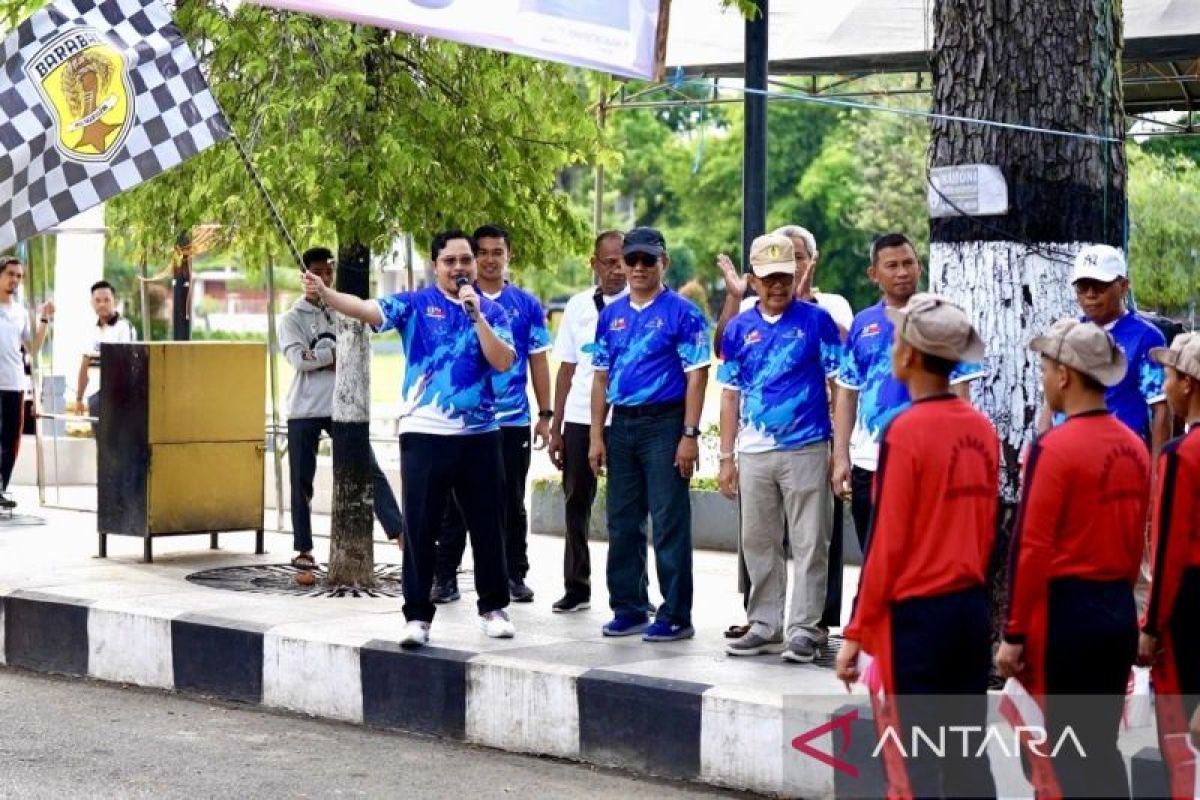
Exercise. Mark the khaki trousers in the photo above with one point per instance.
(791, 485)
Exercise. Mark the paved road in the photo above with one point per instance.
(72, 738)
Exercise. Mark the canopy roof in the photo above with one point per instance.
(1161, 65)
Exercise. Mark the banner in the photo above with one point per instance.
(615, 36)
(99, 96)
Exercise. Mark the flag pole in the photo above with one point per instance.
(266, 197)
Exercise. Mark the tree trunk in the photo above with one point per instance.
(351, 549)
(1050, 64)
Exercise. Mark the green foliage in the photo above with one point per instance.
(361, 133)
(1164, 242)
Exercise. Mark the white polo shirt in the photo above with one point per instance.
(14, 332)
(120, 331)
(574, 345)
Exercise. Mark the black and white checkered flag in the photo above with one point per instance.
(99, 96)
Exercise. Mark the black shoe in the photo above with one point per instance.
(569, 603)
(444, 591)
(6, 501)
(519, 592)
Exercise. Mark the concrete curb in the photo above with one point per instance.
(659, 726)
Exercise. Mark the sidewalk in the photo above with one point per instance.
(682, 710)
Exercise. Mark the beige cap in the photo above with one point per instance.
(1083, 346)
(936, 326)
(772, 255)
(1183, 354)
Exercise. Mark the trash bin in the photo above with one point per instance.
(180, 444)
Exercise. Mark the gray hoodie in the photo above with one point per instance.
(307, 339)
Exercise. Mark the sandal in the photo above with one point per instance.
(304, 561)
(736, 631)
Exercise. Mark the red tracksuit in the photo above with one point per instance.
(921, 609)
(1173, 614)
(1076, 553)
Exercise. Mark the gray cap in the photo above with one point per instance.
(1083, 346)
(934, 325)
(1183, 354)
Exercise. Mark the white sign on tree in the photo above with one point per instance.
(972, 190)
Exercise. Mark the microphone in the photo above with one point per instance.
(461, 281)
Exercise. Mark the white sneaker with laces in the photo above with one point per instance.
(496, 624)
(416, 634)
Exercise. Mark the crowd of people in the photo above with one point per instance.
(819, 406)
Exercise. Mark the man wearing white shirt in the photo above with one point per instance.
(111, 328)
(15, 334)
(570, 433)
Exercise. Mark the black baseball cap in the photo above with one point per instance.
(644, 240)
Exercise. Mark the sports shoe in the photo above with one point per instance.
(496, 624)
(751, 644)
(519, 592)
(444, 591)
(663, 631)
(569, 603)
(801, 650)
(626, 625)
(6, 501)
(416, 634)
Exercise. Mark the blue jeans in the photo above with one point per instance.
(642, 477)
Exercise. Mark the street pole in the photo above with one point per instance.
(754, 158)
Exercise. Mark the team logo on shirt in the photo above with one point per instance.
(793, 333)
(655, 323)
(618, 324)
(435, 312)
(753, 337)
(871, 330)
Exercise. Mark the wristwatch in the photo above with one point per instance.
(546, 414)
(691, 431)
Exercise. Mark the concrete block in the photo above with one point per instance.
(130, 647)
(519, 706)
(313, 677)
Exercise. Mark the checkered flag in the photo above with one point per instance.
(101, 95)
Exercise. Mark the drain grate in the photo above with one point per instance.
(281, 579)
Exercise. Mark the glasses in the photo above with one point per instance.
(641, 259)
(1087, 286)
(462, 261)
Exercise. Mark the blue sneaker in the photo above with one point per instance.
(626, 625)
(663, 631)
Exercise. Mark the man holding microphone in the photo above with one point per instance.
(454, 344)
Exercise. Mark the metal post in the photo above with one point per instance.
(147, 324)
(754, 163)
(34, 377)
(598, 200)
(272, 365)
(181, 312)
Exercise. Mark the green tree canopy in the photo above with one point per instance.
(361, 133)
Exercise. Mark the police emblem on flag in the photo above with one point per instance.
(84, 82)
(104, 95)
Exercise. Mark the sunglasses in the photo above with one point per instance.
(643, 259)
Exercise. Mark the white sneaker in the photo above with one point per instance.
(496, 624)
(416, 634)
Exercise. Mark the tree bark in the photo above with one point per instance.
(351, 548)
(1050, 64)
